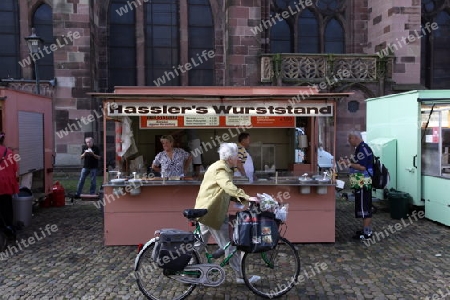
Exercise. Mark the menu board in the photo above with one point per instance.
(159, 121)
(201, 121)
(238, 121)
(152, 122)
(269, 121)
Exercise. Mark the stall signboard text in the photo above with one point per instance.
(152, 122)
(118, 109)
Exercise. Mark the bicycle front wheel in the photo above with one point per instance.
(278, 268)
(156, 283)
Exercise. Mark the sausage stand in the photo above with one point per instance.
(286, 125)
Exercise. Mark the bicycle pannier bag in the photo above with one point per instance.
(242, 230)
(255, 232)
(174, 249)
(267, 232)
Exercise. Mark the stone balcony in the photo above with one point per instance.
(299, 68)
(47, 87)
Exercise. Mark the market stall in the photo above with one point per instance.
(286, 126)
(411, 133)
(25, 118)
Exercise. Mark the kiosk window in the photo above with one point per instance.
(436, 141)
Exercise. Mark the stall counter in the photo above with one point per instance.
(133, 219)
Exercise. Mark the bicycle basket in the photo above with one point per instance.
(173, 249)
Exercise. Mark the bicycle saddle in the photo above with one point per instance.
(194, 213)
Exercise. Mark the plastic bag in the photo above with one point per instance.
(267, 203)
(282, 212)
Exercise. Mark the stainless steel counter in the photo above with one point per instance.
(198, 182)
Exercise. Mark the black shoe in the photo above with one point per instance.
(367, 236)
(363, 236)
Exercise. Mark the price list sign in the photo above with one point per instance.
(158, 121)
(273, 122)
(238, 121)
(201, 121)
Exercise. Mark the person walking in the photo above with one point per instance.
(214, 195)
(91, 155)
(9, 186)
(361, 169)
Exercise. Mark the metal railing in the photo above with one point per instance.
(298, 68)
(47, 87)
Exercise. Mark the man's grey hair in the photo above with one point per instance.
(228, 150)
(355, 133)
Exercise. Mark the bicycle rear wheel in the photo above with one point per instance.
(156, 284)
(278, 268)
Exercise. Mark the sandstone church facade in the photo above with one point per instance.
(385, 46)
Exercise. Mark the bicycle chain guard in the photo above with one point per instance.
(210, 275)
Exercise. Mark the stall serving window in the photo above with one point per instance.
(435, 138)
(326, 142)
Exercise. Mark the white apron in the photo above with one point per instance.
(248, 167)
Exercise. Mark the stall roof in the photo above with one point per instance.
(218, 92)
(424, 96)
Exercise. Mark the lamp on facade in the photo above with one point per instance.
(34, 43)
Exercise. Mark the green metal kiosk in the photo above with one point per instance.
(411, 133)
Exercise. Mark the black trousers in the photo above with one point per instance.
(363, 203)
(6, 210)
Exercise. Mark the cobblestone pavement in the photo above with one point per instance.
(408, 260)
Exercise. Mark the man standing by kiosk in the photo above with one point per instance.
(91, 155)
(245, 164)
(361, 170)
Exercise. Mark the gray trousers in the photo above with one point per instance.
(222, 237)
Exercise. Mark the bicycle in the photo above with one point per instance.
(278, 268)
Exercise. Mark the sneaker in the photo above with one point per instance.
(362, 236)
(366, 236)
(252, 279)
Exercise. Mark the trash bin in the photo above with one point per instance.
(398, 204)
(22, 207)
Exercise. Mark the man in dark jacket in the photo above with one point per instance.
(91, 155)
(361, 170)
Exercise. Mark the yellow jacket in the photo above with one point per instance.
(214, 194)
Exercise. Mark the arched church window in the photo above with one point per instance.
(43, 23)
(9, 35)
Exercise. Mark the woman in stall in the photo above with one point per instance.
(172, 161)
